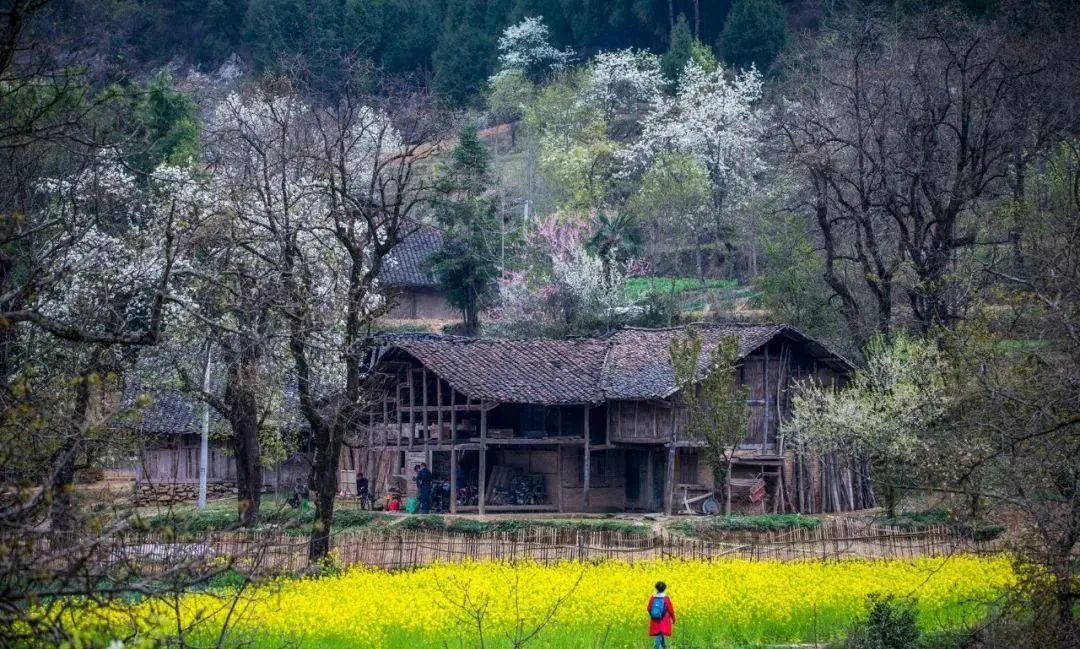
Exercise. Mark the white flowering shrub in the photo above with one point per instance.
(885, 410)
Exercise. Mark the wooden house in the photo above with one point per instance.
(592, 425)
(170, 432)
(412, 286)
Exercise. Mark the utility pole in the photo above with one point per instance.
(204, 446)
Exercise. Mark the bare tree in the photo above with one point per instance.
(905, 137)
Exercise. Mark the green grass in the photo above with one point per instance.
(717, 526)
(637, 287)
(189, 521)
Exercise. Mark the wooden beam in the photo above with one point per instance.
(588, 457)
(482, 479)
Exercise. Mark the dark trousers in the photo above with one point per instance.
(425, 499)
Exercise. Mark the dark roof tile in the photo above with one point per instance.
(405, 265)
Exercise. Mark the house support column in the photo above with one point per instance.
(587, 461)
(650, 481)
(453, 453)
(669, 479)
(482, 479)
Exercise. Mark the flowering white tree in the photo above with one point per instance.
(882, 415)
(624, 81)
(714, 117)
(524, 48)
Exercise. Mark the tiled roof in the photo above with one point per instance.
(405, 264)
(639, 366)
(170, 412)
(630, 364)
(524, 371)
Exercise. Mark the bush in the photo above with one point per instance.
(892, 623)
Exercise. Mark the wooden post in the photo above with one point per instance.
(424, 414)
(587, 461)
(559, 477)
(412, 408)
(669, 479)
(400, 415)
(650, 477)
(669, 470)
(453, 452)
(438, 402)
(765, 403)
(482, 487)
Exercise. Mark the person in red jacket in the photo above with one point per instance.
(661, 615)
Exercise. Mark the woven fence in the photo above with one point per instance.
(277, 552)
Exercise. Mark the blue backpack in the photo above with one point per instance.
(658, 608)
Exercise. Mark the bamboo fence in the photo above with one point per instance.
(277, 552)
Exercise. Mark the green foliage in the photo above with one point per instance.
(715, 400)
(754, 33)
(715, 526)
(463, 58)
(888, 407)
(639, 287)
(892, 623)
(426, 522)
(508, 94)
(681, 48)
(467, 265)
(577, 156)
(615, 236)
(325, 37)
(791, 285)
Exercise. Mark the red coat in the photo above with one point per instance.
(663, 625)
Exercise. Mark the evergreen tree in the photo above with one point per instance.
(680, 49)
(683, 47)
(166, 125)
(464, 53)
(466, 266)
(754, 33)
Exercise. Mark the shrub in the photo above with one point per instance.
(429, 522)
(892, 623)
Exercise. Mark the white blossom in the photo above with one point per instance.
(524, 48)
(623, 80)
(713, 117)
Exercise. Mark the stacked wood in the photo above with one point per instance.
(173, 493)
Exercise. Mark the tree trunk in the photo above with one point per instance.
(242, 402)
(62, 517)
(1065, 596)
(727, 489)
(324, 483)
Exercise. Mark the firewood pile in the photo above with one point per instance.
(175, 493)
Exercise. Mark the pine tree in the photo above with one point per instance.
(680, 49)
(754, 33)
(466, 266)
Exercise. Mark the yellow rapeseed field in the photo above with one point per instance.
(719, 603)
